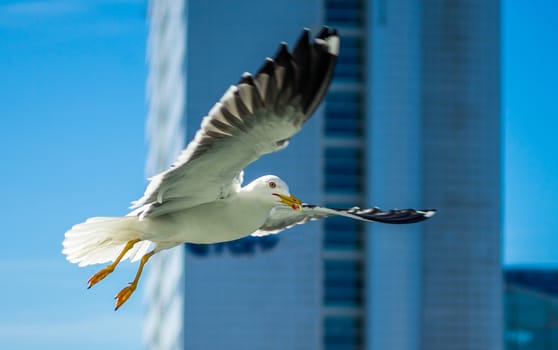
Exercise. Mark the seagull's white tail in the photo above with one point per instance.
(100, 240)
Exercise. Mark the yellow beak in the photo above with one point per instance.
(291, 201)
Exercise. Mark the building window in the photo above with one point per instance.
(343, 169)
(343, 282)
(343, 115)
(341, 234)
(344, 13)
(349, 66)
(343, 244)
(342, 333)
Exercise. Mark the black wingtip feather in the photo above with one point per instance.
(283, 57)
(394, 216)
(321, 66)
(299, 78)
(302, 45)
(324, 33)
(266, 68)
(403, 216)
(246, 79)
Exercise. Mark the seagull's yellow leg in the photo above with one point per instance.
(98, 277)
(126, 292)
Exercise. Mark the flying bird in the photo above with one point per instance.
(200, 198)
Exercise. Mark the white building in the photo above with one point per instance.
(412, 119)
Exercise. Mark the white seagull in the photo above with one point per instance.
(199, 199)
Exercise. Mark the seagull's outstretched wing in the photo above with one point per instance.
(282, 218)
(257, 116)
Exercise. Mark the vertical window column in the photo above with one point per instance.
(343, 170)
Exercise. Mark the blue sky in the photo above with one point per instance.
(530, 116)
(72, 106)
(72, 103)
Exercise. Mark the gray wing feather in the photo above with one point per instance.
(257, 116)
(282, 218)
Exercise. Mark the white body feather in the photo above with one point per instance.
(100, 239)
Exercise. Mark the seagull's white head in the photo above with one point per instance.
(274, 191)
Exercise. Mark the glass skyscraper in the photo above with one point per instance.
(412, 119)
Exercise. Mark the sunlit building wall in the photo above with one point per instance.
(166, 93)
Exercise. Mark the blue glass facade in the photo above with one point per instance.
(344, 177)
(531, 302)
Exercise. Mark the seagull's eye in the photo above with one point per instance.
(272, 184)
